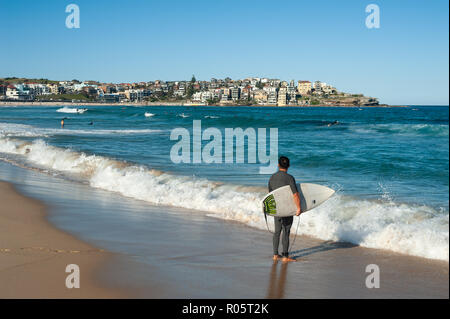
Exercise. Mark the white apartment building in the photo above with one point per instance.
(39, 89)
(205, 96)
(272, 98)
(18, 93)
(197, 96)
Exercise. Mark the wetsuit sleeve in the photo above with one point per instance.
(293, 184)
(268, 185)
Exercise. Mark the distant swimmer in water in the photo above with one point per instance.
(333, 123)
(92, 123)
(62, 123)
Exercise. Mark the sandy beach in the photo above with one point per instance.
(150, 152)
(204, 258)
(34, 254)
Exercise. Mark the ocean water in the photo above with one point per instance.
(389, 166)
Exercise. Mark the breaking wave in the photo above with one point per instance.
(384, 224)
(404, 129)
(22, 130)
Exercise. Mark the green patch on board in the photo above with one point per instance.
(270, 206)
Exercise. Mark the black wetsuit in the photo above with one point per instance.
(277, 180)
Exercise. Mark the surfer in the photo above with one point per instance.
(277, 180)
(62, 123)
(333, 123)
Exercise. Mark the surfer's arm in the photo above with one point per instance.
(297, 203)
(296, 195)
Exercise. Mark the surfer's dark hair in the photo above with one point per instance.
(284, 162)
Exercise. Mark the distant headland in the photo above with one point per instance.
(251, 91)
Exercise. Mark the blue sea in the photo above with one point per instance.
(389, 166)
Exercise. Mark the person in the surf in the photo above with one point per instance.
(283, 224)
(62, 123)
(333, 123)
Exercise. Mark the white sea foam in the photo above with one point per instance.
(21, 130)
(211, 117)
(147, 114)
(403, 129)
(414, 230)
(105, 132)
(71, 110)
(183, 115)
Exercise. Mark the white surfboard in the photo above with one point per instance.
(280, 202)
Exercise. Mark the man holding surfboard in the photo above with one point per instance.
(283, 224)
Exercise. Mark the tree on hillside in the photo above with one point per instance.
(259, 85)
(190, 91)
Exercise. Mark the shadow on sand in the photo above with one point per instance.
(325, 246)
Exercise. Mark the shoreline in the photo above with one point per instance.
(324, 269)
(183, 103)
(34, 254)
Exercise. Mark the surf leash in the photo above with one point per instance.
(267, 224)
(295, 237)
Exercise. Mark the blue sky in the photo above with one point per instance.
(405, 61)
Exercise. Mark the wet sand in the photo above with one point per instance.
(165, 252)
(34, 254)
(216, 259)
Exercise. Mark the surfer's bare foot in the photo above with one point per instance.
(287, 259)
(276, 257)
